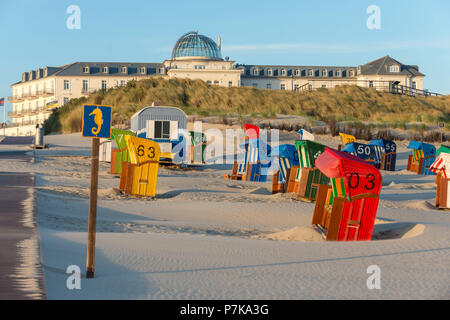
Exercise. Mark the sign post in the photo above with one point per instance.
(96, 124)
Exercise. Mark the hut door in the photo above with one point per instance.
(150, 129)
(173, 130)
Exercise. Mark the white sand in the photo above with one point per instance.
(207, 238)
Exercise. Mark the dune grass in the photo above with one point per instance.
(195, 97)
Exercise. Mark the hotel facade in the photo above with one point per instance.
(194, 56)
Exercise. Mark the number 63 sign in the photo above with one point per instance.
(142, 150)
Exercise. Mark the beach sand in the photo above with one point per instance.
(204, 237)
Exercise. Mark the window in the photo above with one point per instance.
(208, 81)
(283, 72)
(66, 85)
(66, 100)
(394, 68)
(255, 72)
(310, 73)
(414, 85)
(85, 69)
(123, 83)
(350, 73)
(370, 84)
(162, 130)
(324, 73)
(142, 70)
(337, 73)
(123, 69)
(161, 70)
(200, 67)
(324, 86)
(230, 83)
(216, 82)
(297, 72)
(85, 86)
(269, 72)
(296, 86)
(105, 69)
(268, 86)
(104, 84)
(283, 86)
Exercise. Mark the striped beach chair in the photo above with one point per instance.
(422, 157)
(442, 169)
(307, 177)
(386, 151)
(287, 159)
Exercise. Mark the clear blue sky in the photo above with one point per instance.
(34, 33)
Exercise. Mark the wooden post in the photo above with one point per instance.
(90, 260)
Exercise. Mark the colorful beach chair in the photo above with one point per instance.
(307, 178)
(346, 210)
(423, 156)
(386, 153)
(442, 169)
(287, 157)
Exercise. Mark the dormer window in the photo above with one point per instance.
(255, 72)
(283, 72)
(337, 73)
(269, 72)
(142, 70)
(350, 73)
(310, 73)
(297, 72)
(123, 69)
(394, 68)
(324, 73)
(85, 69)
(105, 69)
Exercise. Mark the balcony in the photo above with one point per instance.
(46, 92)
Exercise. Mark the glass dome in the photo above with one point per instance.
(192, 44)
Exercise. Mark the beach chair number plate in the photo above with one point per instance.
(354, 183)
(141, 152)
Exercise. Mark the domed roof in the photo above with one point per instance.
(192, 44)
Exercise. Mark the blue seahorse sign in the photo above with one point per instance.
(97, 121)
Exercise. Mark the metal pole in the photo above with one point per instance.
(90, 260)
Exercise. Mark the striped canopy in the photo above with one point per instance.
(442, 165)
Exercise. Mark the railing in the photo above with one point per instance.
(386, 86)
(31, 95)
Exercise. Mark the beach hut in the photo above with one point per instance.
(423, 156)
(287, 157)
(386, 153)
(366, 152)
(346, 210)
(307, 177)
(197, 147)
(164, 125)
(442, 168)
(119, 155)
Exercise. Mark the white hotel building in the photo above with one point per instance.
(194, 56)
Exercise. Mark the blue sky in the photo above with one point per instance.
(297, 32)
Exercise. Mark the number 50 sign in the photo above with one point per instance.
(142, 150)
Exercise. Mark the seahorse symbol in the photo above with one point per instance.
(98, 119)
